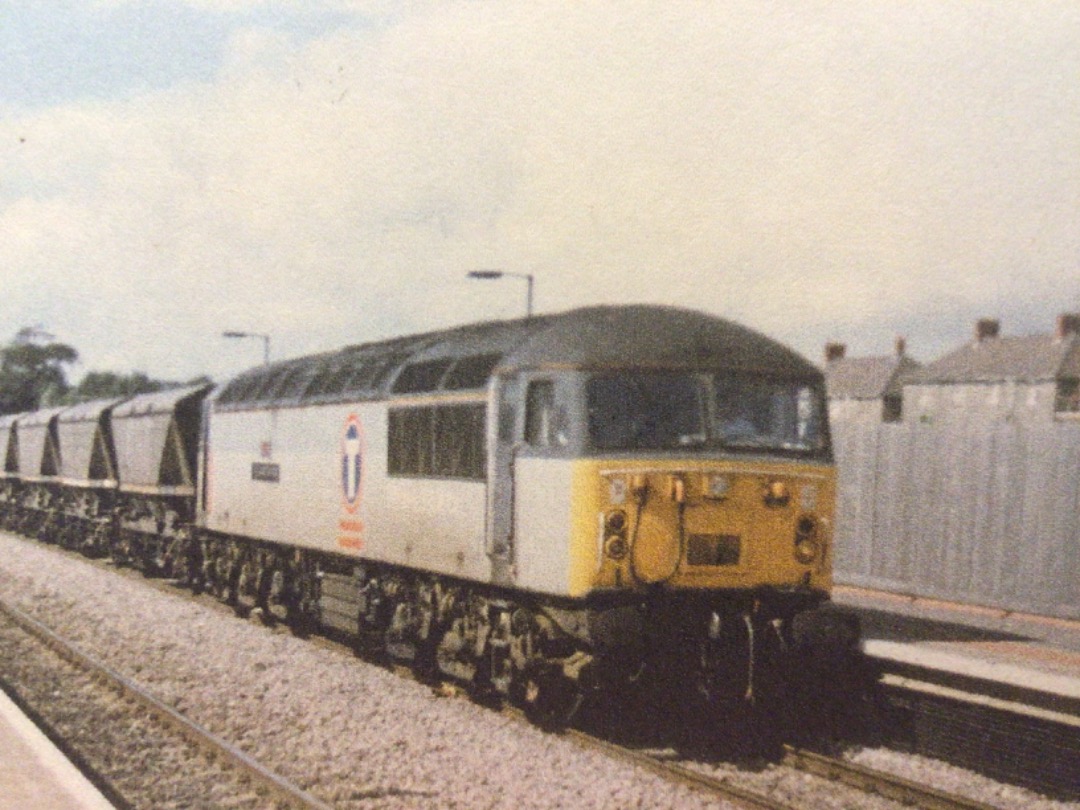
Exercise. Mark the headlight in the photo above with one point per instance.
(615, 522)
(616, 548)
(615, 545)
(806, 540)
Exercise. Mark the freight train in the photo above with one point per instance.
(539, 509)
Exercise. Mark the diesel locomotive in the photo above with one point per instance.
(540, 508)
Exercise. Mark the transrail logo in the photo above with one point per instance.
(352, 464)
(350, 527)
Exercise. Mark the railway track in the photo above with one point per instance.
(833, 770)
(827, 771)
(270, 789)
(890, 786)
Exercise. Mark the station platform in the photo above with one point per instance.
(1033, 659)
(34, 774)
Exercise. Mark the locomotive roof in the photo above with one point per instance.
(465, 357)
(655, 336)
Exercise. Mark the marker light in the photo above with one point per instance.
(777, 494)
(718, 486)
(806, 544)
(617, 490)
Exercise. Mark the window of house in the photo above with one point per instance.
(1067, 399)
(892, 408)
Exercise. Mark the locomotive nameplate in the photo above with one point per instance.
(265, 471)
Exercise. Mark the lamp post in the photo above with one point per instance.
(491, 275)
(265, 339)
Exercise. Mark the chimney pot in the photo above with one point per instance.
(901, 346)
(986, 329)
(834, 351)
(1068, 323)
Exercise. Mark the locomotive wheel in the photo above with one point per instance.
(548, 698)
(425, 664)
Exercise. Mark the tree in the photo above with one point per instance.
(32, 367)
(106, 384)
(109, 385)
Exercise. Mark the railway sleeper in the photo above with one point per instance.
(546, 659)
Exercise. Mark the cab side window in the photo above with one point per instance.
(544, 420)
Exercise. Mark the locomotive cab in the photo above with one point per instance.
(676, 512)
(679, 479)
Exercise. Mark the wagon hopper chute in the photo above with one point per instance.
(38, 469)
(88, 475)
(156, 439)
(9, 472)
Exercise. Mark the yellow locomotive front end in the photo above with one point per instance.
(721, 526)
(702, 536)
(713, 481)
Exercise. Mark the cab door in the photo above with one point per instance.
(529, 479)
(505, 440)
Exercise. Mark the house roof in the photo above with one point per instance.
(867, 377)
(1032, 358)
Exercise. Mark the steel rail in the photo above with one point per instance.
(859, 777)
(679, 773)
(856, 776)
(261, 776)
(881, 783)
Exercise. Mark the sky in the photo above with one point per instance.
(328, 171)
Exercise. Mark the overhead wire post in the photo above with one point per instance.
(491, 275)
(264, 337)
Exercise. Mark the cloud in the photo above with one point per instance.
(814, 172)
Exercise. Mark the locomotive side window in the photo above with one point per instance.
(444, 441)
(637, 410)
(240, 389)
(470, 372)
(544, 423)
(418, 377)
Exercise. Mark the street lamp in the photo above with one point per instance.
(265, 340)
(496, 274)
